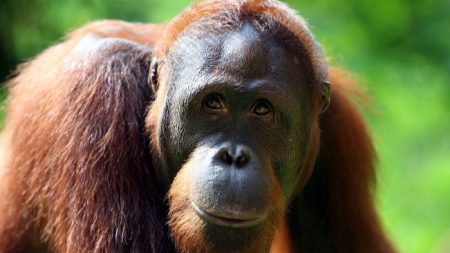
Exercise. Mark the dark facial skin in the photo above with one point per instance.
(238, 110)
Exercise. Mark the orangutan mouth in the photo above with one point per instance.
(235, 220)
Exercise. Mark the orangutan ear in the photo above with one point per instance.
(153, 74)
(326, 96)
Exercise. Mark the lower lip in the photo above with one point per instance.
(228, 222)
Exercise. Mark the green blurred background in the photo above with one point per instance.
(399, 50)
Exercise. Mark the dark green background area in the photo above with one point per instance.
(399, 50)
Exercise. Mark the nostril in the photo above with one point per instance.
(225, 157)
(243, 158)
(241, 161)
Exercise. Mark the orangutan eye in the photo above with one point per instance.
(262, 108)
(214, 102)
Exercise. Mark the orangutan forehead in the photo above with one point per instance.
(247, 50)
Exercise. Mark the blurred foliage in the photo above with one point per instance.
(399, 50)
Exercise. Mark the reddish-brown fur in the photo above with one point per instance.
(76, 173)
